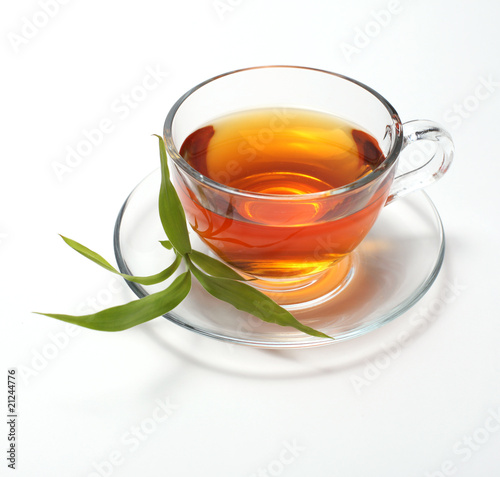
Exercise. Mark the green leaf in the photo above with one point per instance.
(122, 317)
(157, 278)
(213, 266)
(172, 214)
(220, 280)
(96, 258)
(86, 252)
(167, 244)
(246, 298)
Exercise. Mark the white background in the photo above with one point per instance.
(425, 408)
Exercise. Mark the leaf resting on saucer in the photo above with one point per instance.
(217, 278)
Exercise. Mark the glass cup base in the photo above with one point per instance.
(302, 293)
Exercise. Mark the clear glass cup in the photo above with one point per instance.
(302, 254)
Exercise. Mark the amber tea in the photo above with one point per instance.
(284, 153)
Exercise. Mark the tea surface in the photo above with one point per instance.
(282, 152)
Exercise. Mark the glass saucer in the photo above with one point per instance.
(395, 265)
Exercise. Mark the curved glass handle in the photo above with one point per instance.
(439, 155)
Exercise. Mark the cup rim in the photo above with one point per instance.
(206, 181)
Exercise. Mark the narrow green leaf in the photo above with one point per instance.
(86, 252)
(172, 214)
(122, 317)
(96, 258)
(167, 244)
(213, 266)
(248, 299)
(157, 278)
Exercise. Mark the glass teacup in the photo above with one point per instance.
(259, 208)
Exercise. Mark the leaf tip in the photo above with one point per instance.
(40, 313)
(66, 239)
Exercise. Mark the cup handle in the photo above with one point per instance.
(440, 156)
